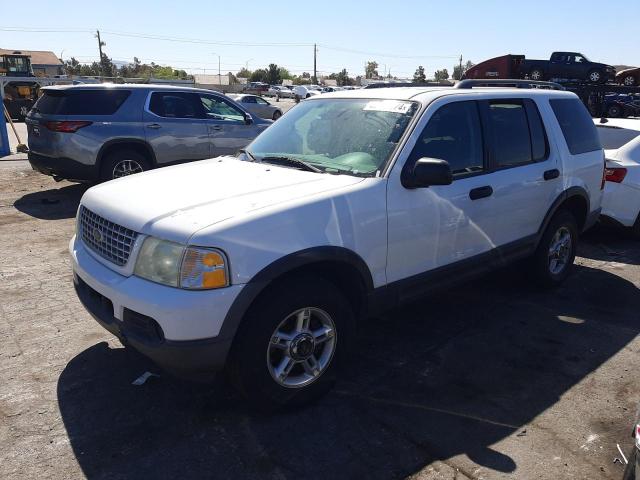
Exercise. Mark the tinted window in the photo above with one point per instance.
(175, 105)
(81, 102)
(612, 137)
(510, 131)
(453, 134)
(261, 101)
(576, 124)
(248, 99)
(539, 141)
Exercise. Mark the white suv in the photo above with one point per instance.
(352, 202)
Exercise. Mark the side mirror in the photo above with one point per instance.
(426, 172)
(248, 119)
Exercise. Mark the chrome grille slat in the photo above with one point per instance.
(114, 241)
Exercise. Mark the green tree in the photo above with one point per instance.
(458, 73)
(244, 73)
(343, 79)
(284, 74)
(259, 75)
(419, 76)
(273, 74)
(441, 75)
(371, 70)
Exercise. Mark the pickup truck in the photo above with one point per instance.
(569, 65)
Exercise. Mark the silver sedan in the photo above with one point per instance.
(258, 106)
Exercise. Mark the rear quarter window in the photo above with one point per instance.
(81, 102)
(576, 124)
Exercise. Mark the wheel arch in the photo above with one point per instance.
(576, 200)
(125, 143)
(339, 265)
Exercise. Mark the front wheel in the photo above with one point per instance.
(277, 114)
(629, 80)
(291, 344)
(536, 74)
(614, 111)
(552, 262)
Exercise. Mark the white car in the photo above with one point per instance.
(305, 91)
(280, 91)
(620, 139)
(351, 203)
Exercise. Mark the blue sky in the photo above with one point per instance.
(432, 33)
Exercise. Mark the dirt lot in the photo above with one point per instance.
(493, 379)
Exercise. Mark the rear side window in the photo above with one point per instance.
(81, 102)
(176, 105)
(453, 134)
(576, 124)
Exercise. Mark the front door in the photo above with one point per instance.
(440, 225)
(228, 128)
(175, 127)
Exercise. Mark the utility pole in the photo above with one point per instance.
(100, 45)
(315, 77)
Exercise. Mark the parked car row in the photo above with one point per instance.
(262, 263)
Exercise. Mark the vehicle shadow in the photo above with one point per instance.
(449, 375)
(609, 243)
(53, 204)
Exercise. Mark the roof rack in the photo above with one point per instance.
(470, 83)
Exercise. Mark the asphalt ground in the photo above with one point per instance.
(490, 379)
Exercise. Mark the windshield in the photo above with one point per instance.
(351, 136)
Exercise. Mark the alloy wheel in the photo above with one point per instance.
(125, 168)
(594, 76)
(301, 347)
(560, 250)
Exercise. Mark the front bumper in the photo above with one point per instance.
(180, 330)
(63, 168)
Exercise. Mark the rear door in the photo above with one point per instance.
(175, 127)
(525, 177)
(226, 123)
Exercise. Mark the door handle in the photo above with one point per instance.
(215, 127)
(481, 192)
(153, 125)
(551, 174)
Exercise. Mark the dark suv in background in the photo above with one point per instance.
(94, 133)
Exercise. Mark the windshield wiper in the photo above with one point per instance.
(282, 160)
(249, 154)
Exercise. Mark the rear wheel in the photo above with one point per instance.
(553, 259)
(595, 76)
(123, 163)
(614, 111)
(536, 74)
(291, 344)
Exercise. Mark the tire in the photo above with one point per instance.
(546, 272)
(614, 111)
(123, 161)
(594, 76)
(629, 81)
(536, 74)
(256, 359)
(635, 230)
(277, 114)
(307, 95)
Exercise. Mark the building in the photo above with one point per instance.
(43, 63)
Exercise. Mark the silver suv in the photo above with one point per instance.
(94, 133)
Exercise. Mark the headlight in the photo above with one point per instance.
(175, 265)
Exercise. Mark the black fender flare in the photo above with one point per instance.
(284, 265)
(565, 195)
(107, 145)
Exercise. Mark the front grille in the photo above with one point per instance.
(107, 239)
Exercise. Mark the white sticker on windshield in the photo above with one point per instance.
(393, 106)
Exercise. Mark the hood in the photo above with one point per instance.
(628, 70)
(174, 202)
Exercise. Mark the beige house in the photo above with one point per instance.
(44, 64)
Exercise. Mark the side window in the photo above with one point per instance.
(261, 101)
(217, 109)
(175, 105)
(577, 126)
(453, 134)
(248, 99)
(539, 139)
(509, 130)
